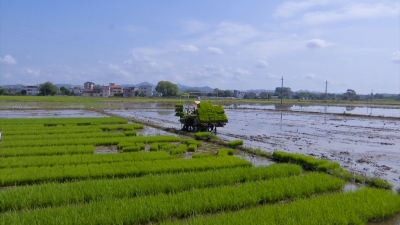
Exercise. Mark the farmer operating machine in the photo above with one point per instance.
(202, 116)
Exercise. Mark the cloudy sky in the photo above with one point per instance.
(221, 44)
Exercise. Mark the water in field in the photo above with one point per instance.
(369, 146)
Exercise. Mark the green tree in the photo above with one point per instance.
(23, 92)
(3, 91)
(167, 88)
(48, 88)
(65, 91)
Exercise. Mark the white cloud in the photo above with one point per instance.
(32, 71)
(6, 75)
(8, 59)
(116, 68)
(242, 72)
(188, 48)
(288, 9)
(396, 57)
(215, 50)
(261, 64)
(309, 76)
(356, 11)
(317, 43)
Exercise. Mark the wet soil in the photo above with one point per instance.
(364, 145)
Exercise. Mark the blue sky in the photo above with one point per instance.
(221, 44)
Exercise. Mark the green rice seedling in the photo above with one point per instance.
(130, 133)
(359, 207)
(235, 143)
(191, 141)
(153, 147)
(307, 162)
(182, 148)
(201, 155)
(131, 149)
(204, 136)
(180, 205)
(55, 194)
(141, 146)
(225, 152)
(47, 151)
(192, 148)
(36, 161)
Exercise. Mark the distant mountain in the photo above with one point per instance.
(182, 87)
(315, 92)
(20, 86)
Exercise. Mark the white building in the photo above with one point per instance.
(32, 90)
(238, 94)
(146, 89)
(106, 91)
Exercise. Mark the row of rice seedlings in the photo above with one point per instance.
(147, 209)
(54, 194)
(124, 127)
(180, 149)
(88, 141)
(34, 130)
(235, 143)
(42, 151)
(129, 146)
(129, 133)
(225, 152)
(307, 162)
(204, 136)
(191, 141)
(333, 168)
(88, 134)
(357, 207)
(30, 175)
(63, 121)
(201, 155)
(12, 162)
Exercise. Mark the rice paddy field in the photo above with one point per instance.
(106, 170)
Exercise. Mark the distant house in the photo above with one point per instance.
(32, 90)
(146, 89)
(129, 92)
(75, 90)
(115, 89)
(238, 94)
(91, 93)
(13, 90)
(106, 91)
(88, 85)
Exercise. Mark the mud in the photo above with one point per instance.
(363, 145)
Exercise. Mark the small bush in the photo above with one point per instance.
(235, 143)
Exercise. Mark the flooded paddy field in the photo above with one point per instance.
(365, 145)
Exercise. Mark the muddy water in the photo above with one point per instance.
(363, 145)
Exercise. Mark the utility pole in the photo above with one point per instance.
(372, 95)
(326, 89)
(281, 92)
